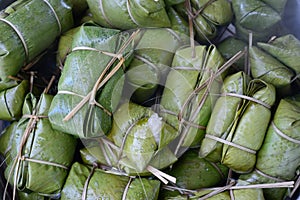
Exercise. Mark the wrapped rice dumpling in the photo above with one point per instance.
(151, 62)
(178, 23)
(86, 183)
(258, 17)
(187, 92)
(92, 82)
(266, 67)
(41, 156)
(12, 99)
(192, 172)
(286, 49)
(279, 158)
(29, 30)
(208, 17)
(138, 139)
(239, 120)
(129, 14)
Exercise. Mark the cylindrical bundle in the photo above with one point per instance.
(12, 99)
(129, 14)
(250, 128)
(151, 62)
(238, 124)
(285, 49)
(223, 115)
(138, 141)
(86, 183)
(266, 67)
(208, 17)
(279, 158)
(189, 93)
(192, 172)
(29, 30)
(91, 83)
(257, 17)
(39, 153)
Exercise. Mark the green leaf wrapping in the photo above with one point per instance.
(129, 14)
(6, 139)
(286, 49)
(65, 45)
(46, 153)
(240, 121)
(214, 14)
(12, 100)
(79, 76)
(278, 156)
(103, 185)
(178, 23)
(152, 60)
(229, 47)
(30, 196)
(223, 115)
(192, 172)
(268, 68)
(142, 138)
(255, 16)
(189, 74)
(36, 13)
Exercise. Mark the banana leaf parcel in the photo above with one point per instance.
(29, 30)
(239, 122)
(151, 62)
(286, 49)
(266, 67)
(89, 184)
(279, 158)
(257, 17)
(92, 82)
(138, 142)
(41, 155)
(12, 99)
(208, 17)
(129, 14)
(186, 102)
(192, 172)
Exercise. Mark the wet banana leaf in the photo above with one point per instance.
(255, 16)
(92, 79)
(212, 15)
(12, 100)
(229, 47)
(185, 95)
(281, 146)
(151, 62)
(178, 23)
(129, 14)
(40, 154)
(65, 46)
(269, 69)
(249, 130)
(278, 5)
(223, 115)
(173, 2)
(286, 49)
(192, 172)
(21, 41)
(142, 139)
(102, 185)
(6, 139)
(30, 196)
